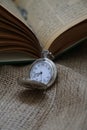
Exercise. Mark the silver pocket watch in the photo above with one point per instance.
(42, 73)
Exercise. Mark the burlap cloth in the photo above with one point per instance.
(62, 107)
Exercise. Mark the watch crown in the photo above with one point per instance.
(47, 54)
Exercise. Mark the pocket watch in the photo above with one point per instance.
(42, 73)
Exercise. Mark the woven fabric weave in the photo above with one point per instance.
(62, 107)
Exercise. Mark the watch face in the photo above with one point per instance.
(41, 71)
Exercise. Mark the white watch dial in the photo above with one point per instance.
(42, 72)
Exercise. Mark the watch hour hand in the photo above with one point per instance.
(37, 74)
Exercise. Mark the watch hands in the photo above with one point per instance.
(37, 74)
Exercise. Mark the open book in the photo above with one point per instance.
(56, 25)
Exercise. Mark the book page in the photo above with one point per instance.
(15, 33)
(50, 18)
(11, 7)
